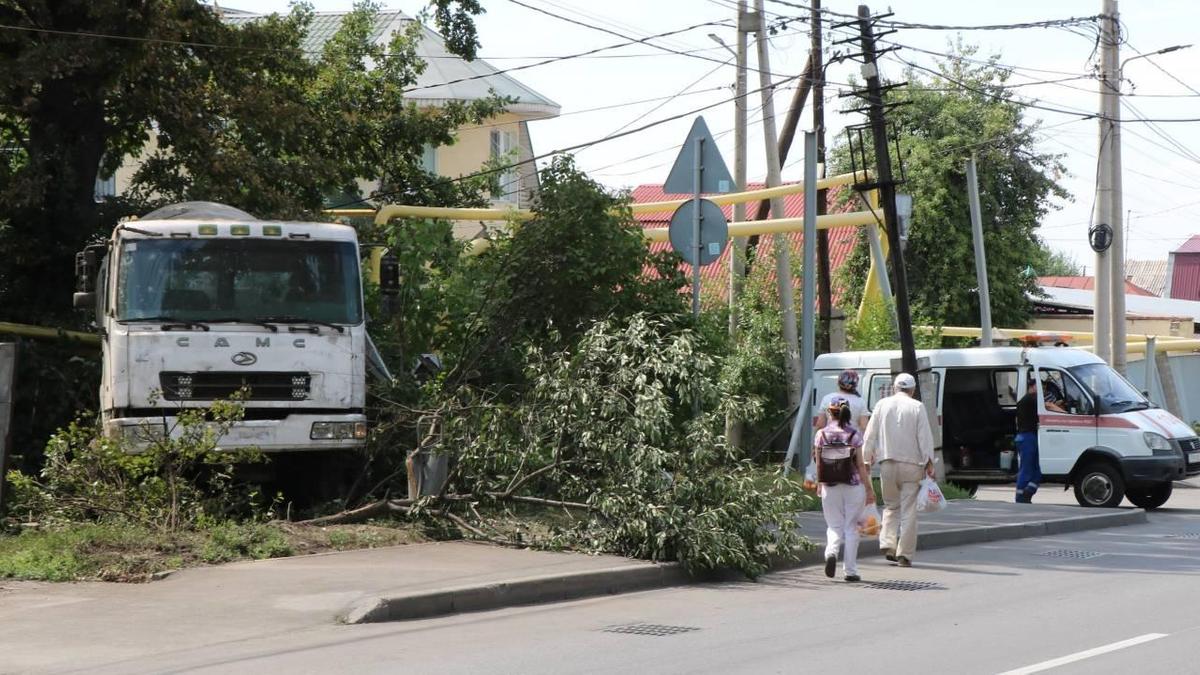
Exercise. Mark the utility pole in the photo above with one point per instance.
(887, 187)
(981, 277)
(817, 74)
(783, 261)
(1102, 318)
(737, 256)
(1117, 253)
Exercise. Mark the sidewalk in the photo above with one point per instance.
(61, 625)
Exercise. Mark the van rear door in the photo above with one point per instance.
(1063, 436)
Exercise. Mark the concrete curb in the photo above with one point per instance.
(630, 578)
(530, 590)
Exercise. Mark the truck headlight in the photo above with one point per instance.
(144, 432)
(1157, 442)
(338, 431)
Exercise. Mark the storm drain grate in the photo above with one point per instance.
(1071, 554)
(655, 629)
(902, 585)
(1184, 535)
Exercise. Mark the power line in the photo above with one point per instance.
(577, 146)
(1062, 110)
(566, 57)
(889, 23)
(602, 29)
(601, 108)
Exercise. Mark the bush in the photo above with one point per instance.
(168, 481)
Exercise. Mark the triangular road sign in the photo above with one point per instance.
(714, 175)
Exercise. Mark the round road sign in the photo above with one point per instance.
(714, 231)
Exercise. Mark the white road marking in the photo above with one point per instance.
(1079, 656)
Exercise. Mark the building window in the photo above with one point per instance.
(429, 158)
(504, 147)
(105, 188)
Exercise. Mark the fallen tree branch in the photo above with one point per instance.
(542, 502)
(381, 507)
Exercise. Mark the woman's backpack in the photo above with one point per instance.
(839, 470)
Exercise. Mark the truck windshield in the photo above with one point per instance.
(1112, 392)
(232, 279)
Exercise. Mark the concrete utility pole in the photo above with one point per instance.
(783, 261)
(1117, 209)
(737, 262)
(1103, 216)
(981, 277)
(817, 74)
(887, 188)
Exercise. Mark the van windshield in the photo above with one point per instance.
(239, 279)
(1113, 394)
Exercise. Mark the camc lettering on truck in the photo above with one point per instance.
(298, 343)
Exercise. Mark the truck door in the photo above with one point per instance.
(1063, 436)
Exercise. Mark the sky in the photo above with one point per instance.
(1161, 161)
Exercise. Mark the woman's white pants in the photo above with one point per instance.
(843, 504)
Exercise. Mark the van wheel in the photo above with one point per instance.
(1150, 496)
(1099, 484)
(969, 487)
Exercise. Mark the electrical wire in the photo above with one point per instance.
(577, 146)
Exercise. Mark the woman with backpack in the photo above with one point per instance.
(845, 486)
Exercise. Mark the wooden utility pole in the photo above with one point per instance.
(783, 260)
(816, 73)
(886, 184)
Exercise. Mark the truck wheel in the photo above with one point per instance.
(1150, 496)
(1099, 484)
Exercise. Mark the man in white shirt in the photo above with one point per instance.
(899, 438)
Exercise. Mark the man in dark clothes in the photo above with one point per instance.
(1029, 473)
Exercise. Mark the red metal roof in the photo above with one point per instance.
(1185, 278)
(1088, 283)
(716, 275)
(1190, 246)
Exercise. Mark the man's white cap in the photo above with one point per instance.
(905, 382)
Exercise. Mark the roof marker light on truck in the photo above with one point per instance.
(298, 235)
(239, 230)
(272, 231)
(181, 235)
(207, 230)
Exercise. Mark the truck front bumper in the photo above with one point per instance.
(290, 434)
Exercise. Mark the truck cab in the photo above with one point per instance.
(197, 301)
(1109, 442)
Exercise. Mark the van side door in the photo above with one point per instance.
(1063, 436)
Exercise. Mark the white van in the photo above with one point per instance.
(1112, 443)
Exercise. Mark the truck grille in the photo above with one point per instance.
(1190, 444)
(260, 386)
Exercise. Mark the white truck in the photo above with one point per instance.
(197, 301)
(1110, 443)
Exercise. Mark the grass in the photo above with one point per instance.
(122, 552)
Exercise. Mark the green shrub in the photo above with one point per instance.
(170, 481)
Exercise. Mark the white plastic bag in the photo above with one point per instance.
(869, 521)
(810, 477)
(930, 498)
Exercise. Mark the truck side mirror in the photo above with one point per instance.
(87, 266)
(389, 275)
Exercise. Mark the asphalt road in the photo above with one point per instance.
(1186, 495)
(1117, 600)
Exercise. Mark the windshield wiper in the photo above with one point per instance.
(299, 319)
(270, 326)
(168, 322)
(1133, 405)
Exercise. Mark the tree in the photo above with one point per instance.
(966, 108)
(240, 115)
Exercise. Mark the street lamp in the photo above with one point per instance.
(717, 39)
(1164, 50)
